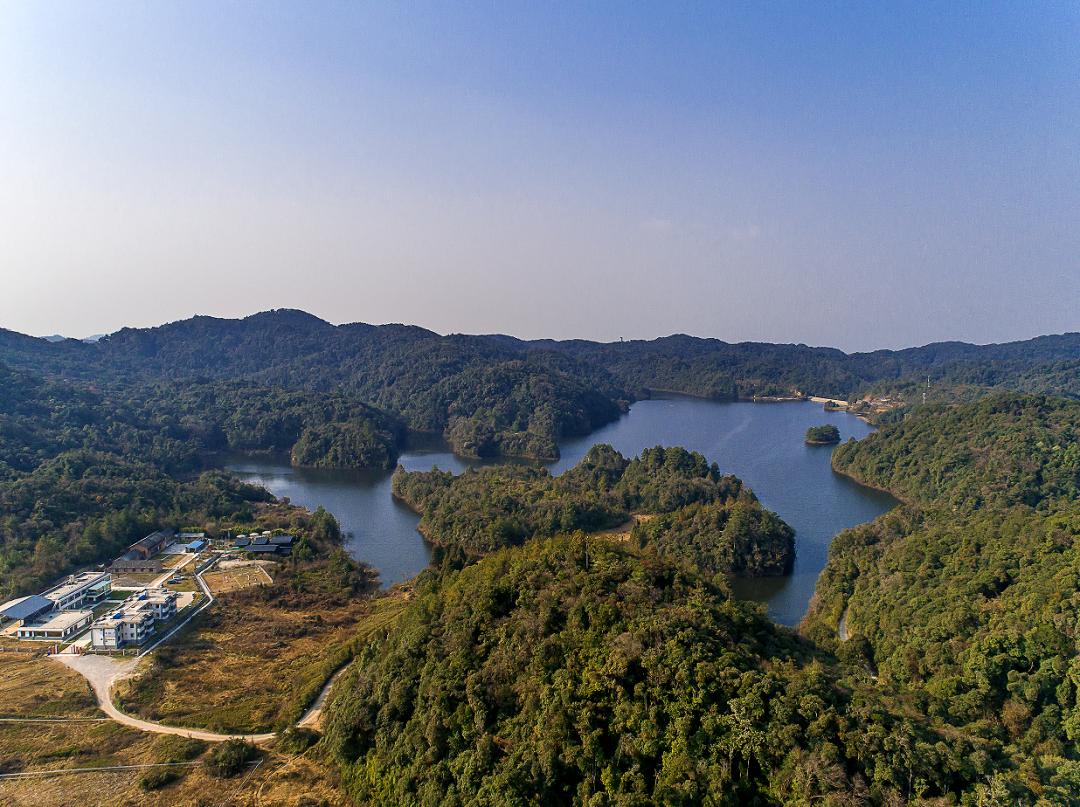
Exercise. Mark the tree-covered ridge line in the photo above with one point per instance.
(715, 369)
(493, 395)
(175, 424)
(574, 671)
(967, 381)
(704, 518)
(484, 399)
(966, 599)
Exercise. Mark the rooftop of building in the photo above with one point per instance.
(153, 595)
(127, 612)
(74, 583)
(153, 539)
(25, 607)
(61, 620)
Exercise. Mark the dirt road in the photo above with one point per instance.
(103, 672)
(313, 717)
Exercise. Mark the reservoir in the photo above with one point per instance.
(761, 443)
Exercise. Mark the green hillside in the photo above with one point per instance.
(575, 672)
(966, 600)
(85, 473)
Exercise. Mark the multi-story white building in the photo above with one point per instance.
(161, 600)
(129, 624)
(88, 588)
(134, 621)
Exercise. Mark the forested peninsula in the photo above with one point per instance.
(704, 518)
(965, 600)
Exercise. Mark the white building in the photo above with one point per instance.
(161, 600)
(129, 624)
(56, 626)
(88, 588)
(134, 621)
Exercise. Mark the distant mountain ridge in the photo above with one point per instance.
(491, 387)
(485, 399)
(1039, 349)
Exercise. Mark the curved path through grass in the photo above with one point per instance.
(103, 672)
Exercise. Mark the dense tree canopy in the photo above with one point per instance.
(573, 671)
(487, 400)
(823, 434)
(966, 600)
(499, 395)
(707, 519)
(1000, 451)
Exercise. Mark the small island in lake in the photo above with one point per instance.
(822, 435)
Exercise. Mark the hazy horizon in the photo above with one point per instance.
(569, 338)
(836, 175)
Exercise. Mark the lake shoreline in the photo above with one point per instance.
(762, 445)
(870, 485)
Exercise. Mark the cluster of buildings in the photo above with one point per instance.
(66, 610)
(139, 559)
(61, 611)
(265, 544)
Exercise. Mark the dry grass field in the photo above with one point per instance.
(236, 577)
(65, 730)
(33, 687)
(253, 661)
(280, 780)
(173, 560)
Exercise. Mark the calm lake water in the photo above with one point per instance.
(762, 444)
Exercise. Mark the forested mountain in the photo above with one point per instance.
(492, 395)
(175, 424)
(712, 368)
(567, 672)
(967, 600)
(486, 400)
(709, 520)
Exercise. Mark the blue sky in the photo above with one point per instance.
(830, 173)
